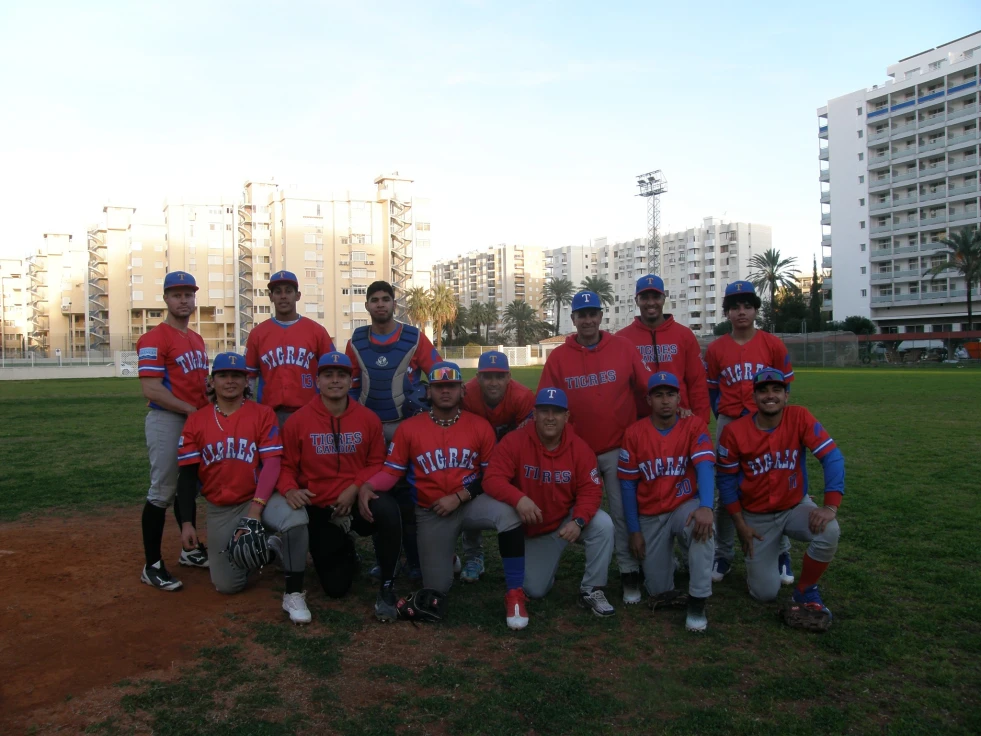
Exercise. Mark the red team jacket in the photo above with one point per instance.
(664, 465)
(438, 461)
(285, 359)
(229, 455)
(603, 385)
(673, 348)
(731, 368)
(771, 464)
(556, 480)
(326, 454)
(515, 407)
(180, 359)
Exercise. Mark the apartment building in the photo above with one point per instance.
(899, 173)
(55, 296)
(622, 264)
(575, 263)
(13, 307)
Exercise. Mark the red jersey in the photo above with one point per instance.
(770, 464)
(731, 368)
(672, 348)
(326, 454)
(515, 407)
(438, 461)
(229, 450)
(285, 359)
(179, 358)
(557, 480)
(602, 384)
(664, 464)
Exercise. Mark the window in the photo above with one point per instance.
(861, 157)
(137, 279)
(861, 179)
(261, 309)
(212, 226)
(192, 263)
(137, 296)
(858, 111)
(212, 276)
(310, 308)
(861, 224)
(214, 260)
(158, 282)
(310, 273)
(228, 226)
(219, 311)
(865, 292)
(862, 247)
(359, 273)
(158, 264)
(136, 246)
(359, 256)
(863, 269)
(216, 293)
(360, 323)
(861, 134)
(861, 202)
(309, 255)
(137, 262)
(934, 65)
(422, 226)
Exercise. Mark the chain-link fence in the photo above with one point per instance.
(826, 349)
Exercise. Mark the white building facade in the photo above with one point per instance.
(575, 263)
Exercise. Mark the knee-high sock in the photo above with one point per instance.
(153, 522)
(512, 546)
(811, 572)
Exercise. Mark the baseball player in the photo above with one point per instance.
(667, 480)
(506, 404)
(233, 449)
(389, 360)
(664, 345)
(601, 375)
(444, 452)
(173, 370)
(283, 351)
(331, 447)
(732, 362)
(549, 475)
(762, 481)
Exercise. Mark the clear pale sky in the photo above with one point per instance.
(526, 122)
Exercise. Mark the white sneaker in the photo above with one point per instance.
(295, 604)
(595, 601)
(457, 565)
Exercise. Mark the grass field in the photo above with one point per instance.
(902, 657)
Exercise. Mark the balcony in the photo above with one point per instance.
(962, 89)
(956, 191)
(881, 205)
(823, 132)
(825, 197)
(933, 145)
(825, 240)
(824, 154)
(967, 111)
(899, 130)
(880, 136)
(900, 249)
(905, 225)
(932, 246)
(968, 137)
(904, 177)
(901, 106)
(878, 158)
(932, 96)
(903, 201)
(877, 185)
(964, 163)
(931, 221)
(882, 299)
(881, 253)
(826, 262)
(932, 170)
(826, 218)
(877, 113)
(825, 175)
(966, 215)
(929, 196)
(904, 155)
(882, 276)
(887, 227)
(826, 283)
(906, 275)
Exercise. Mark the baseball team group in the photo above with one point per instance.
(298, 449)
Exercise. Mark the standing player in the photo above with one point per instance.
(762, 481)
(549, 475)
(283, 351)
(505, 404)
(601, 375)
(667, 480)
(173, 370)
(332, 446)
(233, 449)
(732, 361)
(664, 345)
(444, 453)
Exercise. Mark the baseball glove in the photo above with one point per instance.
(806, 616)
(425, 604)
(251, 550)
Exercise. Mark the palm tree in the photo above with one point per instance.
(417, 306)
(491, 316)
(771, 272)
(442, 309)
(522, 323)
(964, 256)
(476, 316)
(457, 327)
(558, 293)
(600, 286)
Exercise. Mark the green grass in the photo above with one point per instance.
(902, 658)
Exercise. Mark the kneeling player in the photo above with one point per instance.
(763, 484)
(662, 460)
(549, 475)
(331, 446)
(443, 452)
(233, 448)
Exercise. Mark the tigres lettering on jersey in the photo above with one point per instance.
(179, 359)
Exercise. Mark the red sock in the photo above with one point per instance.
(811, 572)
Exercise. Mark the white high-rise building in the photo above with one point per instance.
(899, 173)
(575, 263)
(622, 264)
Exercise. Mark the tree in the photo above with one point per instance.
(722, 328)
(769, 271)
(491, 317)
(558, 293)
(456, 328)
(417, 306)
(964, 257)
(442, 309)
(599, 285)
(858, 325)
(522, 324)
(790, 310)
(815, 321)
(476, 317)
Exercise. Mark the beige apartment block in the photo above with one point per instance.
(13, 307)
(56, 296)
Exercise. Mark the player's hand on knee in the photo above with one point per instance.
(570, 532)
(189, 536)
(298, 498)
(703, 518)
(638, 547)
(344, 502)
(447, 505)
(684, 413)
(818, 518)
(528, 511)
(746, 536)
(365, 497)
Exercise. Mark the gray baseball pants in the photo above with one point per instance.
(277, 516)
(437, 535)
(607, 464)
(659, 534)
(761, 569)
(163, 433)
(542, 555)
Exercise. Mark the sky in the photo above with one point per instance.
(525, 122)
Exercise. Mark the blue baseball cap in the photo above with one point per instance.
(493, 361)
(650, 282)
(552, 397)
(283, 277)
(334, 360)
(229, 362)
(663, 378)
(176, 279)
(769, 375)
(586, 300)
(445, 372)
(739, 288)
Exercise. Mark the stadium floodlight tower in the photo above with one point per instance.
(652, 185)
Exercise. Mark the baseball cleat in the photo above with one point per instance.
(295, 604)
(720, 568)
(473, 569)
(195, 557)
(457, 565)
(375, 573)
(696, 620)
(596, 602)
(514, 603)
(630, 583)
(668, 599)
(415, 573)
(807, 611)
(156, 576)
(385, 604)
(785, 570)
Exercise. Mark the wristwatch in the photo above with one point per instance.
(580, 522)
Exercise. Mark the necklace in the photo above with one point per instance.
(445, 422)
(219, 411)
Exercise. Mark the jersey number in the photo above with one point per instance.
(684, 488)
(306, 380)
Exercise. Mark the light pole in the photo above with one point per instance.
(3, 322)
